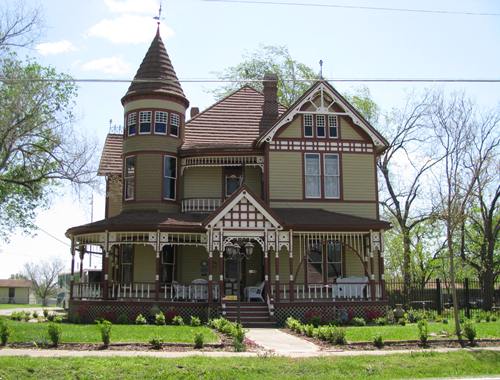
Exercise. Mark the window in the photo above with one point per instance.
(161, 119)
(332, 176)
(312, 176)
(315, 262)
(333, 129)
(334, 260)
(167, 274)
(126, 268)
(169, 177)
(308, 125)
(320, 126)
(132, 123)
(233, 178)
(175, 122)
(145, 122)
(129, 183)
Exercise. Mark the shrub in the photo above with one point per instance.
(309, 330)
(55, 332)
(357, 321)
(199, 340)
(57, 319)
(312, 317)
(27, 316)
(371, 315)
(293, 324)
(324, 333)
(105, 329)
(493, 318)
(51, 317)
(338, 335)
(195, 321)
(160, 319)
(381, 321)
(445, 321)
(169, 315)
(35, 314)
(403, 321)
(140, 320)
(378, 341)
(4, 332)
(156, 342)
(469, 330)
(423, 331)
(122, 319)
(45, 313)
(177, 320)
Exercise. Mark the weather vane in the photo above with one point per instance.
(321, 69)
(158, 18)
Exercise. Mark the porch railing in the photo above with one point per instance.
(87, 290)
(347, 291)
(200, 205)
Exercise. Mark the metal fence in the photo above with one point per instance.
(436, 295)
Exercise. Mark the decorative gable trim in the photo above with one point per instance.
(321, 88)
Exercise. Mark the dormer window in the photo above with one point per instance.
(161, 119)
(175, 122)
(145, 122)
(333, 129)
(308, 125)
(320, 126)
(233, 178)
(132, 124)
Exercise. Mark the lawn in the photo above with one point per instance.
(421, 365)
(4, 306)
(79, 333)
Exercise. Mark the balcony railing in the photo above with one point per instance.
(200, 205)
(347, 291)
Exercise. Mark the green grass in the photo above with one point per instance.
(421, 365)
(76, 333)
(410, 331)
(4, 306)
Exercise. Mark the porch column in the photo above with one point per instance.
(210, 293)
(372, 276)
(72, 278)
(381, 266)
(221, 274)
(105, 272)
(266, 272)
(290, 264)
(277, 274)
(157, 276)
(82, 255)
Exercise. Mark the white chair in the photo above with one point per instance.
(199, 289)
(179, 290)
(350, 287)
(254, 292)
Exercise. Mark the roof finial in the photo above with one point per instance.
(321, 69)
(158, 18)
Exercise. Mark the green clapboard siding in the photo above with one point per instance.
(292, 130)
(285, 175)
(150, 142)
(353, 265)
(149, 177)
(364, 210)
(253, 179)
(189, 263)
(154, 103)
(358, 171)
(348, 130)
(144, 263)
(151, 206)
(202, 183)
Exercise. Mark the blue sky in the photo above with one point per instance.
(108, 39)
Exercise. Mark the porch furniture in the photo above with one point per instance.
(350, 287)
(199, 289)
(254, 292)
(180, 291)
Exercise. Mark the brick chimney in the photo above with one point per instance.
(270, 107)
(194, 111)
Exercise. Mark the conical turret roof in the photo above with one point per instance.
(156, 65)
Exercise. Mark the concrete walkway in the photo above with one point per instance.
(281, 343)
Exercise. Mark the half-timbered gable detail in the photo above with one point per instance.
(247, 202)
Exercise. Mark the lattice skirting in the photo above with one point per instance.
(328, 311)
(89, 311)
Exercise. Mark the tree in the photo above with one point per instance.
(44, 277)
(18, 27)
(294, 78)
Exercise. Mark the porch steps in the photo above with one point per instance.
(252, 314)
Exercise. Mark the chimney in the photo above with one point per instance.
(270, 106)
(194, 111)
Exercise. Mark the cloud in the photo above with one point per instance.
(133, 6)
(108, 65)
(128, 29)
(58, 47)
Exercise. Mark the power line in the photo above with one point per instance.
(359, 7)
(52, 236)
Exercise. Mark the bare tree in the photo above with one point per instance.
(19, 27)
(44, 277)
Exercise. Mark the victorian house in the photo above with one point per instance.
(247, 202)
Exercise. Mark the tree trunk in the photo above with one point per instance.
(453, 285)
(406, 267)
(488, 285)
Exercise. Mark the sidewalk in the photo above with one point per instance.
(39, 310)
(281, 343)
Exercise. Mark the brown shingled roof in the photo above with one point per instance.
(232, 122)
(111, 159)
(156, 65)
(15, 283)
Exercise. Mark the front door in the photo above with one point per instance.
(12, 295)
(252, 272)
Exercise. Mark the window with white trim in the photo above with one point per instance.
(333, 128)
(167, 270)
(145, 122)
(169, 177)
(175, 122)
(312, 174)
(132, 123)
(320, 126)
(129, 178)
(332, 176)
(308, 125)
(126, 263)
(161, 119)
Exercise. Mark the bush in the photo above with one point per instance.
(309, 330)
(381, 321)
(195, 321)
(445, 321)
(378, 341)
(177, 320)
(199, 340)
(45, 313)
(293, 324)
(27, 316)
(35, 314)
(140, 320)
(156, 342)
(51, 317)
(493, 318)
(312, 317)
(57, 319)
(357, 321)
(105, 329)
(423, 331)
(403, 321)
(55, 333)
(338, 336)
(122, 319)
(160, 319)
(4, 332)
(469, 330)
(232, 329)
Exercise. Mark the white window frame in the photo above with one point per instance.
(318, 117)
(308, 116)
(165, 176)
(129, 177)
(163, 115)
(177, 118)
(144, 119)
(325, 175)
(305, 175)
(336, 126)
(131, 120)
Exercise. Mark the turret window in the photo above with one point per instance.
(169, 177)
(175, 122)
(161, 119)
(132, 124)
(129, 178)
(145, 122)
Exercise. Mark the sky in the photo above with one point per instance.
(107, 39)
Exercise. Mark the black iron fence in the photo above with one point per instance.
(436, 295)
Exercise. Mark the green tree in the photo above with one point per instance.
(294, 78)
